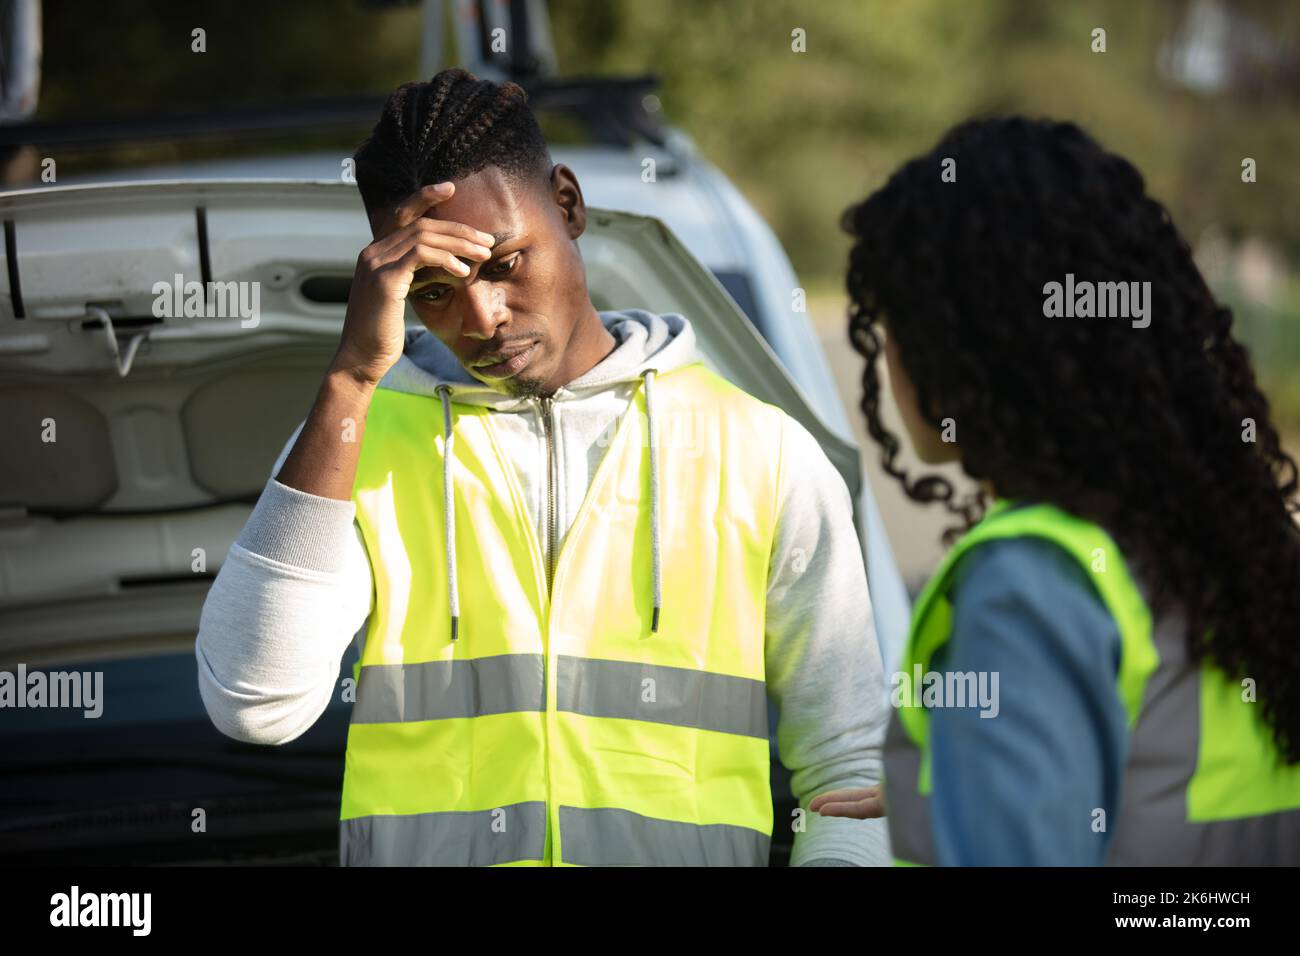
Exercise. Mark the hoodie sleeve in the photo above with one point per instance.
(824, 668)
(291, 594)
(1012, 791)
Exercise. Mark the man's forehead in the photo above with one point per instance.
(486, 200)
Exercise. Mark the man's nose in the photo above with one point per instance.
(485, 310)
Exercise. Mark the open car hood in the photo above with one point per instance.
(111, 531)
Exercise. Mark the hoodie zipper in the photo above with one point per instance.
(546, 412)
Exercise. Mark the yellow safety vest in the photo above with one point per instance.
(559, 728)
(1203, 784)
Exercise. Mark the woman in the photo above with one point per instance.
(1129, 577)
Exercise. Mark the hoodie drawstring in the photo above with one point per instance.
(449, 514)
(448, 508)
(649, 376)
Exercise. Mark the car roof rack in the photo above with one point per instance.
(612, 111)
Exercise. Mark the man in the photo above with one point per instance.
(581, 558)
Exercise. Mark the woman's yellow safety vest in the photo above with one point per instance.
(1203, 783)
(559, 728)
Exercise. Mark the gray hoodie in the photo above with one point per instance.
(296, 587)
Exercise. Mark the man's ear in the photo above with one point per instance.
(568, 196)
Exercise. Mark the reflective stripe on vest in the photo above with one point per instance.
(559, 728)
(515, 834)
(1203, 783)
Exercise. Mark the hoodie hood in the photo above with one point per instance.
(648, 345)
(646, 340)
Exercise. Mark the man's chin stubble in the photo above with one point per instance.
(524, 387)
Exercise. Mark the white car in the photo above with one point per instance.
(135, 446)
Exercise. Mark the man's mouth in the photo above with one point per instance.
(507, 362)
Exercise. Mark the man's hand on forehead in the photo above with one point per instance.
(449, 248)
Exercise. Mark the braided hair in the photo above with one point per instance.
(446, 129)
(1146, 431)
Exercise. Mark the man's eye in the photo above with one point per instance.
(431, 293)
(502, 267)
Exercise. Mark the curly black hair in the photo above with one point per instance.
(1142, 430)
(446, 129)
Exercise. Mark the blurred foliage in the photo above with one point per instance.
(128, 58)
(106, 58)
(804, 133)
